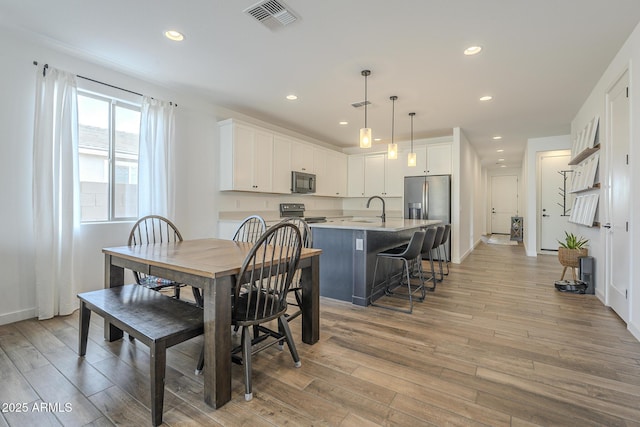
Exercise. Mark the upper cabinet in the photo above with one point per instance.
(331, 174)
(260, 160)
(282, 164)
(302, 157)
(355, 175)
(431, 159)
(246, 157)
(439, 159)
(374, 175)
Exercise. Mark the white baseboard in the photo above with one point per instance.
(635, 331)
(17, 316)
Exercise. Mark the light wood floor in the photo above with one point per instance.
(495, 345)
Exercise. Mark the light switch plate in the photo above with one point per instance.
(359, 244)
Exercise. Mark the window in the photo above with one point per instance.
(108, 140)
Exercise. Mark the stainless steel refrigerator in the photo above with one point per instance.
(428, 197)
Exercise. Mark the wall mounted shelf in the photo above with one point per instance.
(583, 155)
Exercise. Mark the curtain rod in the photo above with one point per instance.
(46, 66)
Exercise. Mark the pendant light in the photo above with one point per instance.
(365, 132)
(392, 149)
(411, 160)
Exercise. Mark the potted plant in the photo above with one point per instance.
(570, 250)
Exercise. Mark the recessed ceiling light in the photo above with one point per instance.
(486, 98)
(472, 50)
(503, 166)
(174, 35)
(501, 160)
(500, 150)
(292, 97)
(497, 137)
(343, 123)
(377, 139)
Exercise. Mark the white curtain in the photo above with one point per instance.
(55, 192)
(156, 192)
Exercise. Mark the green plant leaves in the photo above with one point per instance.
(571, 241)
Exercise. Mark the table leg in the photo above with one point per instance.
(311, 301)
(113, 276)
(217, 341)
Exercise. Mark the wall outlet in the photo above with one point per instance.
(359, 244)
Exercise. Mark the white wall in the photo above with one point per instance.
(467, 196)
(530, 185)
(595, 104)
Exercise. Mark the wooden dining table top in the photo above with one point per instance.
(211, 258)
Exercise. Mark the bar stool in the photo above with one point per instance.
(406, 254)
(436, 244)
(429, 239)
(443, 248)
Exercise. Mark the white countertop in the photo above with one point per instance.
(375, 224)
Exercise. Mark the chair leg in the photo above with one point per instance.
(197, 296)
(439, 264)
(176, 291)
(433, 273)
(284, 326)
(200, 365)
(246, 361)
(446, 258)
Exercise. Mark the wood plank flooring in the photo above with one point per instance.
(494, 345)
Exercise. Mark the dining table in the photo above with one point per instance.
(210, 265)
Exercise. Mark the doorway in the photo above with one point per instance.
(554, 202)
(618, 243)
(504, 202)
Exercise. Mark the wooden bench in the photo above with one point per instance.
(154, 319)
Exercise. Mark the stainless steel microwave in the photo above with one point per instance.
(303, 182)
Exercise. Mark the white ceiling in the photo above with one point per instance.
(540, 60)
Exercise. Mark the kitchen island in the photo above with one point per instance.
(349, 247)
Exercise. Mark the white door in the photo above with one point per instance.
(555, 203)
(504, 203)
(618, 239)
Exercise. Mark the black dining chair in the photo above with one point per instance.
(260, 296)
(149, 230)
(250, 229)
(296, 287)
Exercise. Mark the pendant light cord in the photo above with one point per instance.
(365, 100)
(412, 114)
(393, 116)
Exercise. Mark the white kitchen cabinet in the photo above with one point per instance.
(382, 176)
(281, 164)
(355, 175)
(246, 158)
(320, 170)
(421, 161)
(393, 177)
(302, 157)
(439, 159)
(374, 175)
(337, 174)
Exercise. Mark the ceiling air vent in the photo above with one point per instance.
(272, 13)
(360, 104)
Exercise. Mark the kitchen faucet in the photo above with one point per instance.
(384, 215)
